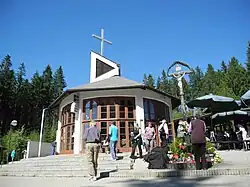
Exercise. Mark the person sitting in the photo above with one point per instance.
(157, 158)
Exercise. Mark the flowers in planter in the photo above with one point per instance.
(180, 151)
(210, 149)
(217, 158)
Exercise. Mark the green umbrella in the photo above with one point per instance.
(230, 114)
(215, 103)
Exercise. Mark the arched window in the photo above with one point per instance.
(146, 111)
(152, 110)
(94, 110)
(67, 130)
(149, 109)
(87, 111)
(107, 110)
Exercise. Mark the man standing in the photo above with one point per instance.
(92, 139)
(163, 132)
(113, 136)
(198, 138)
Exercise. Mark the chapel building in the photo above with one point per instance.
(108, 97)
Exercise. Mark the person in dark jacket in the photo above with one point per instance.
(136, 141)
(198, 139)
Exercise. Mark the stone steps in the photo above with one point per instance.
(64, 166)
(67, 158)
(54, 169)
(52, 173)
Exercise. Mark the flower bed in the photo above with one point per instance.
(181, 156)
(186, 165)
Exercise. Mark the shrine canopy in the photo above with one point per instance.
(215, 103)
(245, 99)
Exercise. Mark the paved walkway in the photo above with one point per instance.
(235, 159)
(232, 159)
(220, 181)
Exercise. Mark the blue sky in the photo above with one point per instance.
(147, 36)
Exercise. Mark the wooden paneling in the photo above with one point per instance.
(67, 130)
(113, 104)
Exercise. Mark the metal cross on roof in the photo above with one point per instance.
(102, 40)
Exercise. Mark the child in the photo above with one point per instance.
(105, 146)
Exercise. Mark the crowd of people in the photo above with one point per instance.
(194, 129)
(138, 140)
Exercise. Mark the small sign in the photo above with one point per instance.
(178, 68)
(14, 123)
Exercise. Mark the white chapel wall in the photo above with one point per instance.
(139, 94)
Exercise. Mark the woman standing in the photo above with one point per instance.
(149, 137)
(136, 141)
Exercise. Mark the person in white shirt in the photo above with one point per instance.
(244, 135)
(163, 132)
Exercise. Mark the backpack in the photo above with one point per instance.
(157, 159)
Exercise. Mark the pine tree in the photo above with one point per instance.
(195, 83)
(210, 80)
(58, 82)
(7, 93)
(145, 79)
(248, 58)
(158, 84)
(23, 98)
(151, 81)
(237, 78)
(223, 67)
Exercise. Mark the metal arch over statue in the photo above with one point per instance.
(179, 74)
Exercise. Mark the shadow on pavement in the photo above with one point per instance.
(172, 182)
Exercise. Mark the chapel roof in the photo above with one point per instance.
(113, 83)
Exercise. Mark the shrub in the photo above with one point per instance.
(15, 140)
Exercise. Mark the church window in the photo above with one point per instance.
(94, 110)
(119, 110)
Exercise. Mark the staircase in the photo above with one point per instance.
(64, 166)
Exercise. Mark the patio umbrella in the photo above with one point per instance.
(230, 115)
(215, 103)
(245, 99)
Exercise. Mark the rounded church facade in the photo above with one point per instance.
(122, 107)
(108, 98)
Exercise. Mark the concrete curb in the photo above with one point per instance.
(137, 174)
(179, 173)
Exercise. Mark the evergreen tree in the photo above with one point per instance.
(158, 84)
(7, 93)
(195, 83)
(22, 107)
(151, 81)
(237, 78)
(210, 80)
(58, 82)
(145, 79)
(248, 58)
(223, 67)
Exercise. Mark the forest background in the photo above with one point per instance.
(23, 99)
